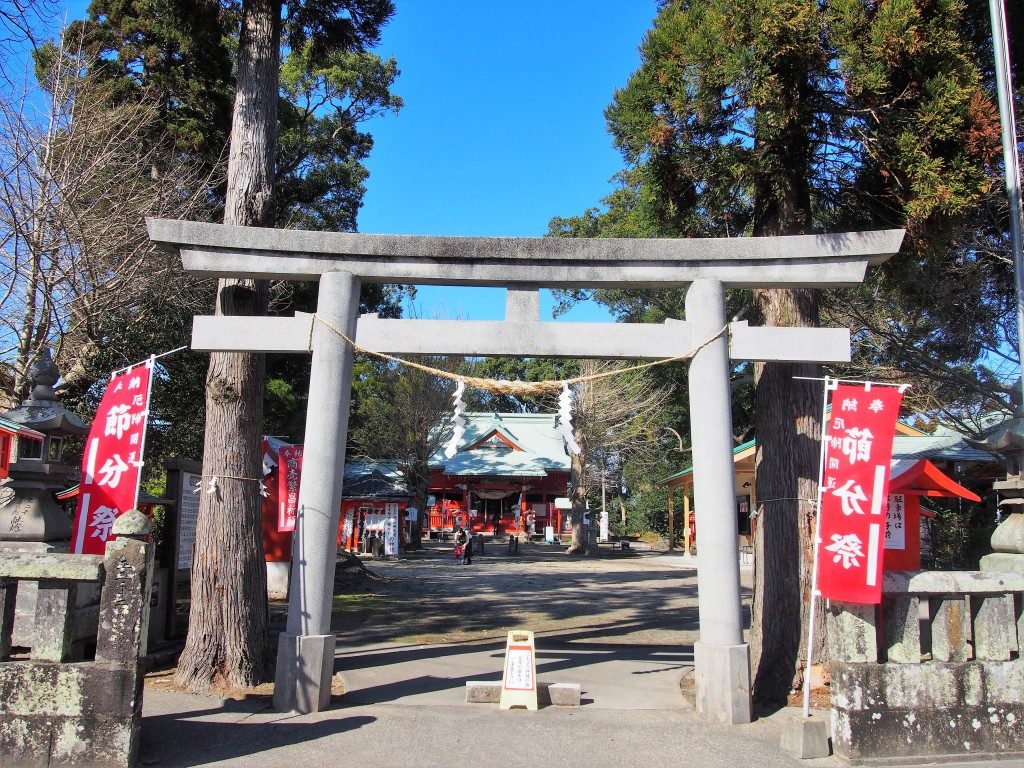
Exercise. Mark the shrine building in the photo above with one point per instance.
(17, 440)
(507, 464)
(923, 466)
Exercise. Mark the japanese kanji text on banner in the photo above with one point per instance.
(289, 475)
(112, 462)
(857, 456)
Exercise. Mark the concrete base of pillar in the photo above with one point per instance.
(305, 665)
(805, 737)
(722, 676)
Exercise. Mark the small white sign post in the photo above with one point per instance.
(519, 683)
(391, 530)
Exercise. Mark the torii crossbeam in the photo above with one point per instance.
(341, 262)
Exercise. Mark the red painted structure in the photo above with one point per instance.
(496, 483)
(6, 443)
(365, 496)
(32, 442)
(512, 499)
(914, 481)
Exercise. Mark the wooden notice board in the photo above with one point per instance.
(519, 683)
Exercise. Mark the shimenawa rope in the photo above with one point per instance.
(502, 386)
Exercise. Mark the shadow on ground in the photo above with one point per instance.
(222, 733)
(432, 599)
(554, 657)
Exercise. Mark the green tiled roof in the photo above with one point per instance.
(944, 445)
(537, 434)
(689, 470)
(16, 428)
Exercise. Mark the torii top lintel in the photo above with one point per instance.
(831, 260)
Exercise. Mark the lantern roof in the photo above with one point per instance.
(41, 411)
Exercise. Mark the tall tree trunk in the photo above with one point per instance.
(579, 545)
(788, 427)
(227, 644)
(787, 411)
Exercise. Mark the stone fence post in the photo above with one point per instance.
(59, 713)
(124, 600)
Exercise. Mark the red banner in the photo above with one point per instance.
(858, 454)
(289, 473)
(112, 462)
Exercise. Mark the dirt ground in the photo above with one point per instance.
(427, 597)
(638, 597)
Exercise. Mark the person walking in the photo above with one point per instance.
(463, 547)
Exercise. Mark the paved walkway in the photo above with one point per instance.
(182, 730)
(623, 628)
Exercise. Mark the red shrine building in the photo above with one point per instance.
(30, 445)
(924, 466)
(507, 466)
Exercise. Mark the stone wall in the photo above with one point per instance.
(935, 671)
(57, 713)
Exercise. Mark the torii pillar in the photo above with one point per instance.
(341, 261)
(721, 658)
(305, 651)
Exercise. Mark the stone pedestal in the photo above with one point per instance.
(1008, 546)
(806, 737)
(305, 665)
(722, 674)
(29, 512)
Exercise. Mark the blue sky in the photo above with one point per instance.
(503, 124)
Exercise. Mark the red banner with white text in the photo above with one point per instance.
(858, 455)
(112, 462)
(289, 474)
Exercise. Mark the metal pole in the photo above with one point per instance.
(830, 384)
(1011, 160)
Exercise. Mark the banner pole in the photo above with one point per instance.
(867, 384)
(150, 363)
(830, 384)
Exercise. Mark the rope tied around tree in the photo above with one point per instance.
(213, 486)
(504, 386)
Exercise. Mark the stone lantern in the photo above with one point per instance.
(29, 511)
(1008, 539)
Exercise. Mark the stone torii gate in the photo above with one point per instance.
(341, 262)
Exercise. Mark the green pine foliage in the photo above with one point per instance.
(778, 117)
(794, 116)
(182, 52)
